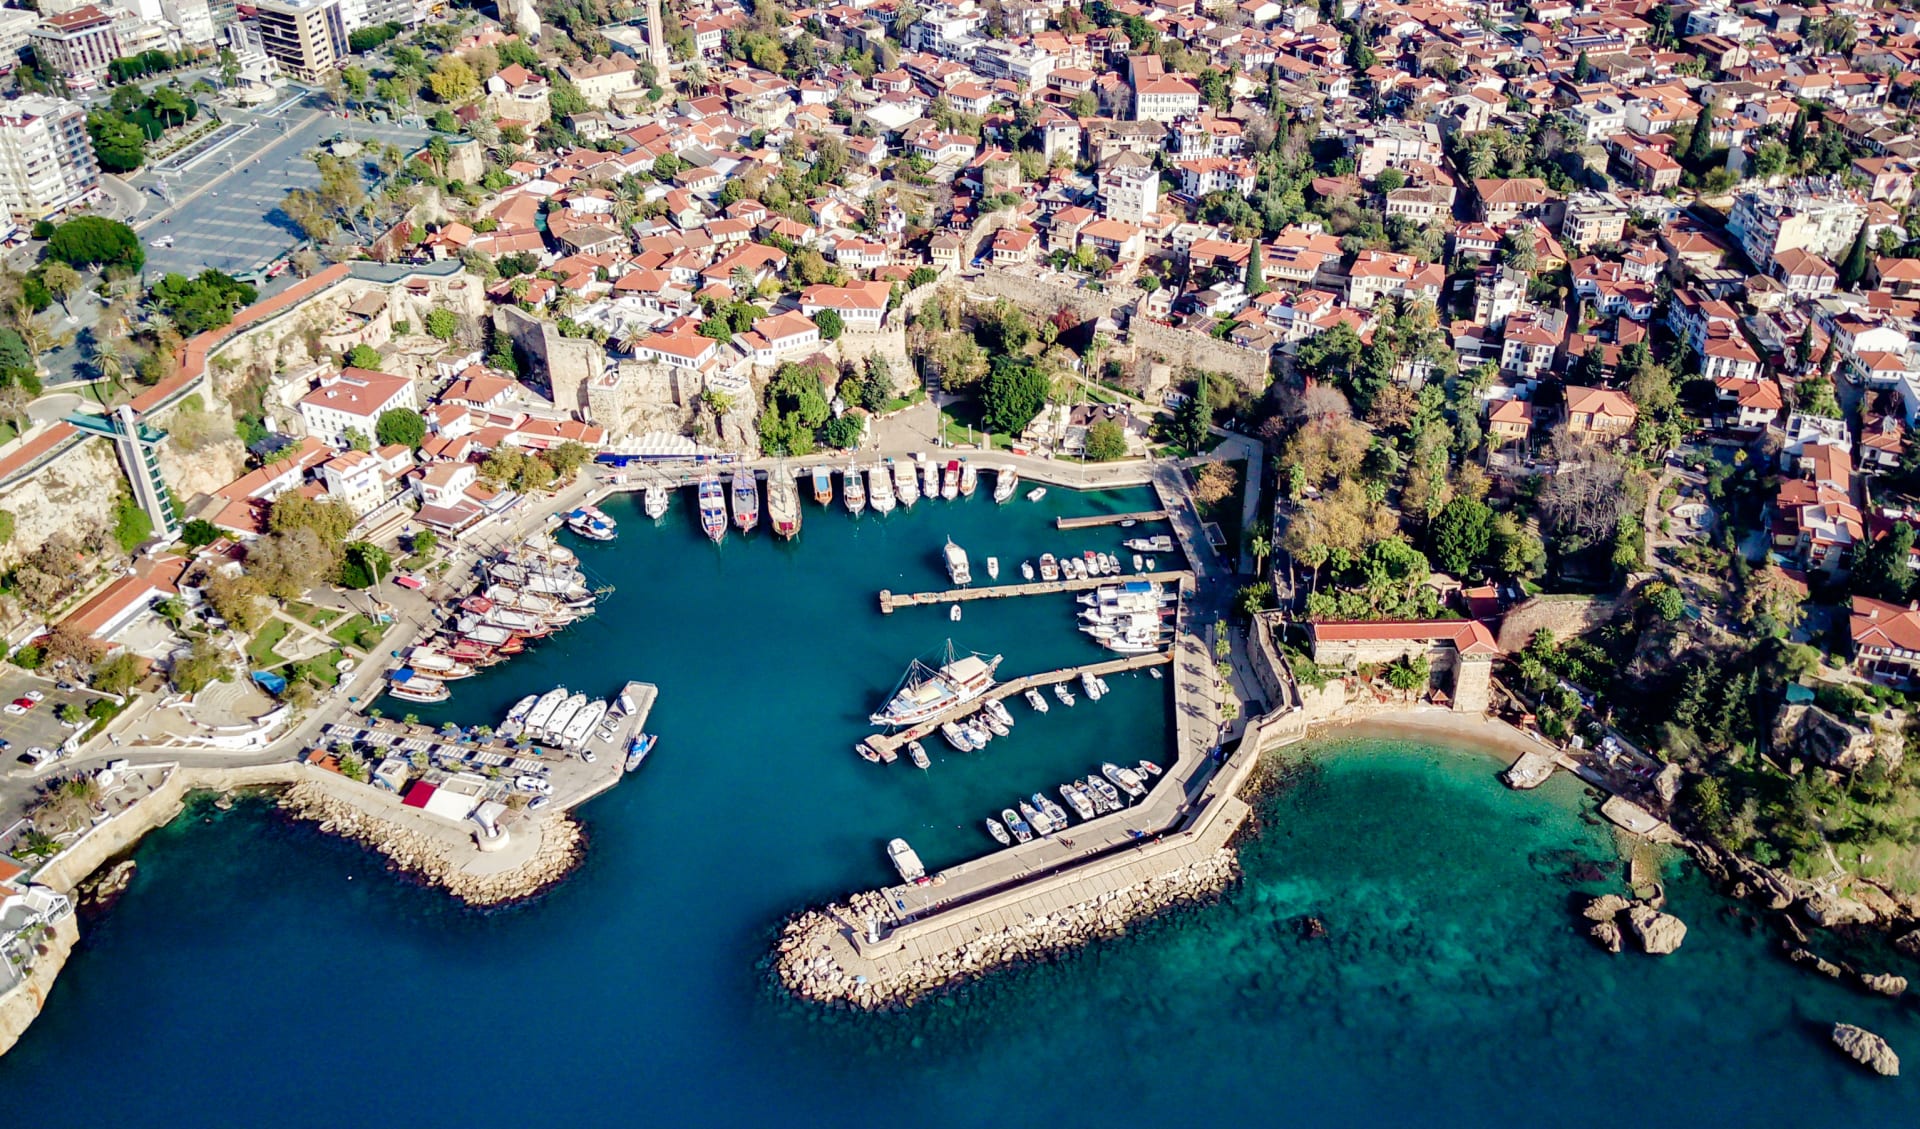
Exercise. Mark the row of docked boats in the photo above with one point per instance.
(742, 495)
(1131, 618)
(571, 720)
(1089, 797)
(526, 592)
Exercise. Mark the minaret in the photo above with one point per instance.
(657, 45)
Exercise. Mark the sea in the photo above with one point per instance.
(258, 972)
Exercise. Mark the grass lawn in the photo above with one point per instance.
(955, 432)
(320, 670)
(356, 625)
(313, 615)
(260, 652)
(907, 401)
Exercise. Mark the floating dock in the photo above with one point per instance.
(1109, 519)
(890, 601)
(888, 746)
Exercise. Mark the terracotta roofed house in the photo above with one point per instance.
(1886, 639)
(1463, 648)
(1599, 413)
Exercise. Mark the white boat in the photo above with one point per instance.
(1076, 800)
(1004, 481)
(1054, 811)
(1015, 824)
(950, 480)
(1102, 683)
(557, 724)
(999, 711)
(822, 485)
(999, 832)
(1026, 570)
(1162, 543)
(542, 711)
(925, 693)
(1061, 692)
(906, 862)
(1153, 564)
(953, 614)
(746, 500)
(638, 750)
(854, 489)
(880, 490)
(917, 753)
(591, 523)
(930, 477)
(1036, 493)
(657, 498)
(1038, 703)
(411, 687)
(445, 667)
(1109, 796)
(783, 503)
(582, 724)
(1035, 818)
(906, 483)
(1049, 568)
(979, 734)
(993, 568)
(955, 737)
(1137, 562)
(1150, 768)
(969, 479)
(1089, 686)
(1126, 778)
(713, 507)
(958, 570)
(521, 708)
(994, 725)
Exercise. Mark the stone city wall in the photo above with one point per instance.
(73, 494)
(1562, 615)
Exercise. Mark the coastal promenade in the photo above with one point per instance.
(889, 600)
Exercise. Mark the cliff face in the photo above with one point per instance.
(74, 494)
(21, 1006)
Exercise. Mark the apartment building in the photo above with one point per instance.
(1130, 189)
(305, 38)
(78, 45)
(1811, 216)
(46, 159)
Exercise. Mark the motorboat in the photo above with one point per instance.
(1137, 562)
(1089, 687)
(1107, 792)
(994, 725)
(1004, 481)
(1020, 828)
(978, 732)
(958, 570)
(880, 490)
(713, 507)
(854, 489)
(823, 485)
(907, 863)
(542, 711)
(1035, 818)
(1061, 692)
(656, 500)
(591, 523)
(438, 664)
(866, 753)
(1036, 493)
(409, 686)
(1026, 570)
(1153, 564)
(1081, 806)
(638, 750)
(746, 500)
(1127, 780)
(582, 724)
(1163, 543)
(1150, 768)
(783, 503)
(906, 482)
(1155, 672)
(1049, 568)
(955, 737)
(1054, 811)
(917, 753)
(557, 724)
(998, 710)
(969, 479)
(999, 832)
(1038, 703)
(950, 480)
(993, 568)
(522, 708)
(930, 477)
(1102, 683)
(953, 613)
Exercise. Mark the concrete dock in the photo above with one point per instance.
(1108, 519)
(889, 600)
(887, 746)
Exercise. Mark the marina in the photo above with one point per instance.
(890, 601)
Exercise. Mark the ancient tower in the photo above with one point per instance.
(657, 44)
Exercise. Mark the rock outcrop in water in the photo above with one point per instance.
(1866, 1048)
(1607, 935)
(1606, 907)
(1885, 983)
(1659, 933)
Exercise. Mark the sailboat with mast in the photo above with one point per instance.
(926, 692)
(746, 500)
(713, 507)
(783, 503)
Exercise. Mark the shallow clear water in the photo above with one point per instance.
(258, 972)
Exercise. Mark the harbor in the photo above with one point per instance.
(890, 601)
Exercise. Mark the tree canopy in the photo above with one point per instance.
(400, 425)
(1017, 390)
(96, 241)
(206, 302)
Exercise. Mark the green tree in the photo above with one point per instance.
(400, 425)
(202, 667)
(1016, 392)
(1853, 268)
(1106, 441)
(568, 457)
(117, 673)
(843, 431)
(364, 565)
(442, 323)
(1460, 535)
(1256, 277)
(200, 532)
(131, 525)
(197, 305)
(96, 241)
(363, 356)
(1193, 423)
(118, 143)
(831, 326)
(1666, 601)
(1582, 68)
(1879, 568)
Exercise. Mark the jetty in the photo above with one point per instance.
(888, 746)
(1530, 771)
(1109, 519)
(890, 600)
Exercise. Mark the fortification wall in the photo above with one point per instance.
(73, 494)
(1562, 615)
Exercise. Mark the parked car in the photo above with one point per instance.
(36, 696)
(15, 708)
(38, 758)
(25, 704)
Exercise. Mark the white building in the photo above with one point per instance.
(353, 400)
(1809, 216)
(46, 159)
(16, 25)
(1130, 190)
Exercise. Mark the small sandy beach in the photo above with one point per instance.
(1476, 732)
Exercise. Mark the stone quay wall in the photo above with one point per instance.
(21, 1004)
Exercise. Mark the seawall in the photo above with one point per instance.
(20, 1006)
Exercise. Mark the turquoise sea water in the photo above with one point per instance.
(260, 973)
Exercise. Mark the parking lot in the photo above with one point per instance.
(226, 210)
(39, 725)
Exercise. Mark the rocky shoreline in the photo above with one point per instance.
(806, 969)
(428, 861)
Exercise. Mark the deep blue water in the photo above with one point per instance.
(259, 973)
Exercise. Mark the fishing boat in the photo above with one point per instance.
(917, 753)
(657, 497)
(880, 490)
(993, 568)
(1078, 801)
(1020, 828)
(854, 489)
(1038, 703)
(907, 863)
(746, 500)
(998, 710)
(1049, 568)
(713, 507)
(1036, 493)
(958, 570)
(1162, 543)
(1089, 687)
(950, 480)
(955, 737)
(1035, 818)
(522, 708)
(1065, 695)
(906, 482)
(582, 724)
(1150, 768)
(969, 478)
(1026, 570)
(953, 614)
(637, 751)
(783, 503)
(999, 832)
(1054, 811)
(409, 686)
(1004, 481)
(994, 725)
(1107, 793)
(930, 477)
(1127, 780)
(542, 711)
(823, 485)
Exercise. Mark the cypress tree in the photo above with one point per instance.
(1853, 268)
(1582, 68)
(1256, 270)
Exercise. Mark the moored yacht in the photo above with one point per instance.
(1049, 568)
(950, 480)
(1078, 801)
(657, 497)
(969, 478)
(823, 485)
(925, 693)
(917, 753)
(1026, 570)
(713, 507)
(1015, 824)
(999, 832)
(1038, 703)
(1004, 481)
(993, 568)
(958, 570)
(746, 500)
(854, 489)
(542, 711)
(409, 686)
(880, 490)
(582, 723)
(522, 708)
(906, 483)
(906, 862)
(1126, 778)
(929, 475)
(783, 503)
